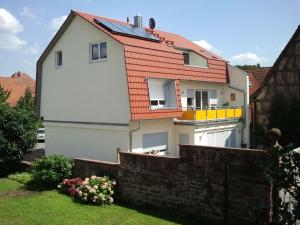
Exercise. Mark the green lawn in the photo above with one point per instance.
(20, 207)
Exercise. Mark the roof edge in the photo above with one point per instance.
(268, 76)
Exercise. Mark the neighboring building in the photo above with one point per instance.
(256, 78)
(104, 84)
(17, 84)
(283, 77)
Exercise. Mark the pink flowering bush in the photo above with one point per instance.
(95, 190)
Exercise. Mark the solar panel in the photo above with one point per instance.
(126, 30)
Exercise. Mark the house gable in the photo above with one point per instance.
(82, 90)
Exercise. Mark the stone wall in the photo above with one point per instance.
(215, 183)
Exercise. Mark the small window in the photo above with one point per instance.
(95, 51)
(154, 102)
(186, 58)
(98, 51)
(58, 59)
(232, 97)
(103, 50)
(162, 102)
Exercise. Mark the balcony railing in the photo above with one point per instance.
(220, 113)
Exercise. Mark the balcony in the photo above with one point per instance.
(218, 114)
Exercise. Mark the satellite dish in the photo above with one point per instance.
(151, 23)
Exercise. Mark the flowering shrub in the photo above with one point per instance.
(70, 186)
(95, 190)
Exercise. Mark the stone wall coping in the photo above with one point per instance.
(224, 149)
(97, 161)
(148, 155)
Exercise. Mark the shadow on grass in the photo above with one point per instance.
(166, 215)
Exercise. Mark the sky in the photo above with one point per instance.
(242, 32)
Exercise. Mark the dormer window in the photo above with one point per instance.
(162, 93)
(191, 58)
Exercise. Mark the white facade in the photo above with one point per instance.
(85, 104)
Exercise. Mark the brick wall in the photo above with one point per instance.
(216, 183)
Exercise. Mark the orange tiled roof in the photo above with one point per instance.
(259, 73)
(17, 84)
(254, 84)
(145, 59)
(256, 77)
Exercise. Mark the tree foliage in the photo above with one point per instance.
(17, 132)
(246, 67)
(26, 101)
(283, 171)
(4, 95)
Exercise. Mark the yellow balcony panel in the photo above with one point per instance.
(238, 113)
(200, 114)
(211, 114)
(221, 113)
(230, 113)
(188, 115)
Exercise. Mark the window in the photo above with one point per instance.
(202, 99)
(58, 59)
(192, 58)
(98, 51)
(232, 97)
(162, 93)
(186, 58)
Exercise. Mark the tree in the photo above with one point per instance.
(246, 67)
(26, 101)
(4, 95)
(17, 133)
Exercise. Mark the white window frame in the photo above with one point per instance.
(99, 51)
(161, 106)
(209, 97)
(56, 59)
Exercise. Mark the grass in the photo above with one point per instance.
(9, 185)
(20, 207)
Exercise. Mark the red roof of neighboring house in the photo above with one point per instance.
(256, 77)
(145, 59)
(17, 84)
(254, 85)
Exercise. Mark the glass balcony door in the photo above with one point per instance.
(202, 99)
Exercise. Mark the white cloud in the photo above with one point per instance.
(8, 23)
(11, 42)
(9, 39)
(57, 22)
(204, 44)
(246, 58)
(9, 27)
(27, 12)
(207, 46)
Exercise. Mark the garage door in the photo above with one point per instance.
(155, 142)
(225, 138)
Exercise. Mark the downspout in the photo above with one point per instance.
(130, 135)
(244, 114)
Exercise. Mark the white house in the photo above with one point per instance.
(104, 84)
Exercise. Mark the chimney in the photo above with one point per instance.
(138, 21)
